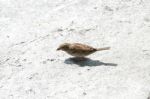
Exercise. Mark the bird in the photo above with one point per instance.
(79, 50)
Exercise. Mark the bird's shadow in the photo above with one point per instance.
(87, 62)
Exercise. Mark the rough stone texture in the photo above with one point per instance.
(31, 30)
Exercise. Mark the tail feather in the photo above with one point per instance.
(105, 48)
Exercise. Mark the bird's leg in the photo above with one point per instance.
(80, 58)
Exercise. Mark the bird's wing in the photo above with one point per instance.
(81, 47)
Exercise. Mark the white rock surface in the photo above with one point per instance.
(31, 30)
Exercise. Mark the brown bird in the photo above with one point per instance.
(79, 50)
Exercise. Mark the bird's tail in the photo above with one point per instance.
(104, 48)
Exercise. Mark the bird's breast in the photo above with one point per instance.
(79, 53)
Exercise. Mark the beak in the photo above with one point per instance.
(58, 49)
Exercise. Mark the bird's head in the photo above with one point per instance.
(63, 47)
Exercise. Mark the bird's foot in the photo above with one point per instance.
(79, 58)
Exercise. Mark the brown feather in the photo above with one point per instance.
(78, 49)
(82, 47)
